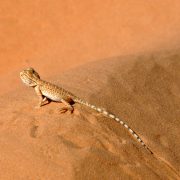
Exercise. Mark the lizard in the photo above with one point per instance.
(48, 91)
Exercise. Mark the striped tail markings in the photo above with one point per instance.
(112, 116)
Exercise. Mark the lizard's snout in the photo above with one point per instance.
(21, 73)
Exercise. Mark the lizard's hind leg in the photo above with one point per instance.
(68, 107)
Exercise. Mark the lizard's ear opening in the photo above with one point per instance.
(36, 74)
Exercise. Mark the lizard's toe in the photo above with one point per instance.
(71, 110)
(64, 109)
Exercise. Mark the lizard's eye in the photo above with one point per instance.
(31, 69)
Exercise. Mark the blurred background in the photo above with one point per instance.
(54, 35)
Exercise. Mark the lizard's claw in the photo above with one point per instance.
(65, 109)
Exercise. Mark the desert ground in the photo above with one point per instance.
(123, 56)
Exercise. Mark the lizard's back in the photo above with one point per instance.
(54, 92)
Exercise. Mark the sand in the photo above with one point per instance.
(143, 90)
(60, 35)
(121, 55)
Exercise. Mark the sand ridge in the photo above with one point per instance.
(60, 35)
(142, 90)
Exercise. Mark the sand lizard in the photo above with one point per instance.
(46, 90)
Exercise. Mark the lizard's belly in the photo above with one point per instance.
(53, 97)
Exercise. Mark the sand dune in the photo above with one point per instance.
(143, 90)
(60, 39)
(60, 35)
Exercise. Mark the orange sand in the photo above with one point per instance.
(144, 91)
(53, 36)
(59, 40)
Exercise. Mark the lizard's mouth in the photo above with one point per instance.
(24, 79)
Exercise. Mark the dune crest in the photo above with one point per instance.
(142, 90)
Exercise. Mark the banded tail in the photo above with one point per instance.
(112, 116)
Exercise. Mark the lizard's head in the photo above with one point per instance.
(29, 77)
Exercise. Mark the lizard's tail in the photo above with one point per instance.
(112, 116)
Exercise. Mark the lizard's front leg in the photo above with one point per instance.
(41, 99)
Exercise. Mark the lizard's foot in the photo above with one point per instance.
(42, 102)
(65, 109)
(39, 105)
(45, 102)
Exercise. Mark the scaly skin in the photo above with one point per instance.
(46, 90)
